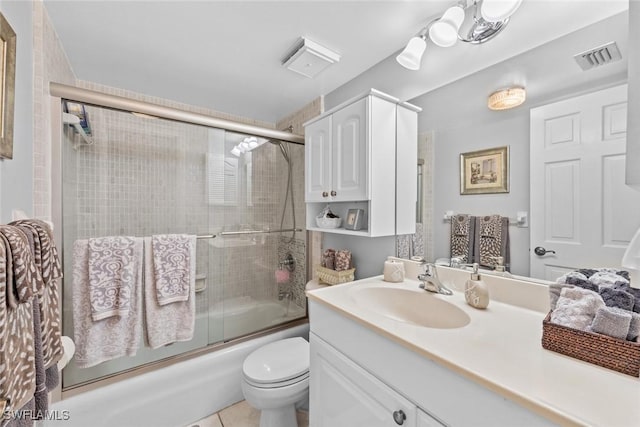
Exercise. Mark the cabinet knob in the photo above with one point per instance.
(399, 417)
(325, 194)
(333, 193)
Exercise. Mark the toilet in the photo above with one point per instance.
(274, 378)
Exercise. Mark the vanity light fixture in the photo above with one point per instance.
(507, 98)
(247, 144)
(487, 19)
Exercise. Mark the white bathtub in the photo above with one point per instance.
(174, 396)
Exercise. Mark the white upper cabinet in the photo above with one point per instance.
(349, 158)
(362, 156)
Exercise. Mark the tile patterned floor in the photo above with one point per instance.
(241, 415)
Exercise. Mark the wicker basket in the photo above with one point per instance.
(332, 277)
(602, 350)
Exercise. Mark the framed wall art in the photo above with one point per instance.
(485, 171)
(7, 87)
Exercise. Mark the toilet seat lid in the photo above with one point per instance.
(278, 361)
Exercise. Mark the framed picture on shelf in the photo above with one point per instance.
(485, 171)
(355, 219)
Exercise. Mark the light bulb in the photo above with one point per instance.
(444, 32)
(411, 56)
(498, 10)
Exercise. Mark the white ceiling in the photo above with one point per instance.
(226, 55)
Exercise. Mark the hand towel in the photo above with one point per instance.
(41, 394)
(554, 293)
(172, 254)
(48, 264)
(168, 323)
(491, 241)
(576, 308)
(112, 268)
(633, 291)
(634, 327)
(462, 237)
(612, 321)
(17, 353)
(114, 336)
(617, 298)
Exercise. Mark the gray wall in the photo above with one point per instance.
(368, 254)
(16, 176)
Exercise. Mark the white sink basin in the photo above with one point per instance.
(418, 308)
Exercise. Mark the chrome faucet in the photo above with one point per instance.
(430, 281)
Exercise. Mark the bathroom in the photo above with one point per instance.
(168, 68)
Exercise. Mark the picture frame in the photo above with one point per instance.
(485, 171)
(355, 219)
(7, 86)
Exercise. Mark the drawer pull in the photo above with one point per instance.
(333, 193)
(325, 194)
(399, 417)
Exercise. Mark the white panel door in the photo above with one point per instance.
(342, 394)
(318, 160)
(581, 208)
(349, 139)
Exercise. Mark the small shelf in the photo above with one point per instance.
(363, 232)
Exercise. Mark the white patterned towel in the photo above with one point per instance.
(111, 275)
(115, 336)
(170, 322)
(173, 275)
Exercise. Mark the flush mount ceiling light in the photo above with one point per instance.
(481, 19)
(507, 98)
(309, 58)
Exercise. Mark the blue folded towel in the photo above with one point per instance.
(617, 298)
(612, 321)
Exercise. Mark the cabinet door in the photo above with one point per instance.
(342, 394)
(317, 154)
(349, 159)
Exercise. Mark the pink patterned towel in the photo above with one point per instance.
(111, 276)
(172, 254)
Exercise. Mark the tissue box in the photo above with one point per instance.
(602, 350)
(332, 277)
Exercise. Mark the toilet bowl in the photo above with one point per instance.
(275, 378)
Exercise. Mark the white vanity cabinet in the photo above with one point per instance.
(362, 378)
(363, 155)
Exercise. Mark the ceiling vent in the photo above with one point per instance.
(598, 56)
(309, 58)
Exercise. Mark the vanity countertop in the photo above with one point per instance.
(501, 350)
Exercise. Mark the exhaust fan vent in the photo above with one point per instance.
(309, 58)
(598, 56)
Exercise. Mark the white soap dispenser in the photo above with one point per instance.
(476, 292)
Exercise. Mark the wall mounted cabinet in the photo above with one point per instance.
(363, 155)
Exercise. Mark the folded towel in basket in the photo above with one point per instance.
(633, 291)
(612, 321)
(172, 255)
(617, 298)
(554, 293)
(576, 308)
(634, 327)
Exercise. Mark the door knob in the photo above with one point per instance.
(399, 417)
(333, 193)
(325, 194)
(540, 251)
